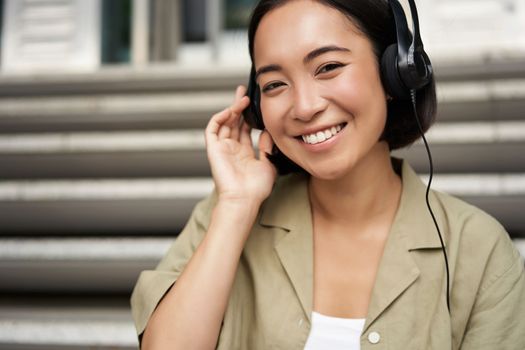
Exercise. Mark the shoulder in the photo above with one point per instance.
(487, 277)
(467, 219)
(477, 243)
(479, 248)
(465, 227)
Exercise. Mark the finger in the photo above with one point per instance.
(236, 128)
(265, 145)
(218, 119)
(224, 132)
(228, 117)
(235, 131)
(240, 105)
(240, 92)
(245, 136)
(234, 121)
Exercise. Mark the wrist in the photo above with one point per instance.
(235, 216)
(242, 206)
(239, 202)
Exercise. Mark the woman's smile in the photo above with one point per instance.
(326, 133)
(323, 139)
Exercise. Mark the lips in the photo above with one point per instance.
(322, 135)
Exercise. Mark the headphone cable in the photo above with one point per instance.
(413, 98)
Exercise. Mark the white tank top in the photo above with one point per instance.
(334, 333)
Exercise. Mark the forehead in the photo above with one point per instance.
(300, 26)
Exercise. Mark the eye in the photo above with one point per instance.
(329, 67)
(271, 86)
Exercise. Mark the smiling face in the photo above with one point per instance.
(321, 95)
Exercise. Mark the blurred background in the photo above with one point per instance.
(102, 110)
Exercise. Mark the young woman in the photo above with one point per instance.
(341, 253)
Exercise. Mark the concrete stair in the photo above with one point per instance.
(100, 171)
(77, 265)
(65, 323)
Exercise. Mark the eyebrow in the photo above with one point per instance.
(307, 59)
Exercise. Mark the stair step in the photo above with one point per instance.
(180, 163)
(111, 112)
(97, 142)
(107, 80)
(110, 206)
(108, 189)
(485, 68)
(462, 158)
(103, 154)
(463, 147)
(131, 206)
(481, 100)
(59, 323)
(77, 265)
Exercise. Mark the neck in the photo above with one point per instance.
(370, 190)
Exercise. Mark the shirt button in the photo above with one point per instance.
(373, 337)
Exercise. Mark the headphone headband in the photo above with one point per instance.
(404, 38)
(405, 66)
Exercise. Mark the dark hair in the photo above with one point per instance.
(375, 20)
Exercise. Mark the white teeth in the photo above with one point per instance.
(321, 136)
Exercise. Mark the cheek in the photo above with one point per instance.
(349, 92)
(361, 93)
(359, 86)
(273, 112)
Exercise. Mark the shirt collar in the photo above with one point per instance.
(288, 207)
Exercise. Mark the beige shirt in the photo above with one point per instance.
(271, 300)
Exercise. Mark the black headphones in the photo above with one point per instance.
(404, 65)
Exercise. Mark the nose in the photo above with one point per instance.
(307, 101)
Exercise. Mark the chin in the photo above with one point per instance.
(327, 176)
(327, 173)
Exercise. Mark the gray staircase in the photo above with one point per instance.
(100, 171)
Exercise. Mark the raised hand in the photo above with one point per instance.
(237, 172)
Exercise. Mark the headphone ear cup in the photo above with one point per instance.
(390, 74)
